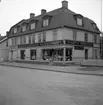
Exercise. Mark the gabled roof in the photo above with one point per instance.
(61, 17)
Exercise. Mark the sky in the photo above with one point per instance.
(13, 11)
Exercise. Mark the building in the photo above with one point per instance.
(61, 35)
(4, 53)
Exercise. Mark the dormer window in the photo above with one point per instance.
(94, 25)
(32, 26)
(15, 30)
(45, 22)
(24, 28)
(79, 21)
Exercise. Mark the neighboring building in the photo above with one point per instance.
(4, 53)
(60, 34)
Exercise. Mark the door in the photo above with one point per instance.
(86, 53)
(68, 54)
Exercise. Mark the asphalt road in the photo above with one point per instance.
(28, 87)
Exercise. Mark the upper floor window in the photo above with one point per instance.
(14, 41)
(15, 30)
(32, 26)
(94, 25)
(86, 37)
(24, 28)
(79, 21)
(30, 39)
(23, 40)
(42, 37)
(54, 34)
(33, 38)
(95, 38)
(45, 22)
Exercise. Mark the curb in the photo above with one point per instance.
(51, 70)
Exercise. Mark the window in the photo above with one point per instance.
(22, 53)
(79, 21)
(32, 54)
(14, 41)
(86, 37)
(15, 30)
(45, 22)
(94, 25)
(30, 39)
(55, 54)
(24, 28)
(33, 38)
(54, 34)
(23, 40)
(42, 37)
(95, 38)
(32, 26)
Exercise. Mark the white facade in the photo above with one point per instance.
(61, 34)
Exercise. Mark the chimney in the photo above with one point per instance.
(65, 4)
(43, 11)
(32, 15)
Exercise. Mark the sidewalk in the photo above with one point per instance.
(98, 71)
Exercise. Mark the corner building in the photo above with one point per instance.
(60, 34)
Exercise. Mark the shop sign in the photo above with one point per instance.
(42, 44)
(79, 43)
(78, 47)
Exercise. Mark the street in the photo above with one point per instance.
(20, 86)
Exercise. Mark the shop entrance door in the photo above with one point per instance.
(86, 53)
(68, 54)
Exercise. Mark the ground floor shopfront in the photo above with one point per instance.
(55, 51)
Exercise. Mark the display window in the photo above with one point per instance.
(54, 54)
(32, 54)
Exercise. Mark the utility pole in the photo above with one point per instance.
(101, 34)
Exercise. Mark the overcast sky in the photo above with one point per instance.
(12, 11)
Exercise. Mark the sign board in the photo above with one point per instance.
(78, 47)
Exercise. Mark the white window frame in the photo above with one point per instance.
(15, 30)
(79, 21)
(32, 26)
(45, 22)
(24, 28)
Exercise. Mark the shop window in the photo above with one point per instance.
(32, 54)
(54, 54)
(79, 21)
(86, 37)
(22, 54)
(68, 54)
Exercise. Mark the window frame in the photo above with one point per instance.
(31, 54)
(45, 22)
(86, 37)
(79, 20)
(33, 23)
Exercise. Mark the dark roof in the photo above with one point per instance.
(3, 38)
(60, 17)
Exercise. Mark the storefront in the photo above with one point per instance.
(60, 50)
